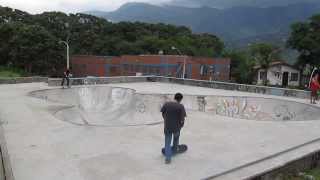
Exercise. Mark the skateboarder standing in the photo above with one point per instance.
(66, 76)
(174, 115)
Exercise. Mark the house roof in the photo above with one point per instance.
(276, 63)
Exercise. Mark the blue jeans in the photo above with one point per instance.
(63, 79)
(167, 146)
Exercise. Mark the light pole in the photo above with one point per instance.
(184, 61)
(67, 45)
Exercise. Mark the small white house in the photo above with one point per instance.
(279, 74)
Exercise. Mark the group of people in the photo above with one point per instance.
(314, 86)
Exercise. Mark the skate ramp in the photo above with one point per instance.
(111, 106)
(104, 106)
(253, 108)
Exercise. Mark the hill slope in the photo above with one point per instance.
(234, 25)
(235, 3)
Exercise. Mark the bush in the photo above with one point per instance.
(11, 72)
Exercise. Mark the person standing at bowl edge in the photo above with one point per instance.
(314, 86)
(66, 76)
(174, 115)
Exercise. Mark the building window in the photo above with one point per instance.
(277, 75)
(131, 67)
(294, 77)
(126, 68)
(263, 75)
(113, 70)
(144, 69)
(203, 70)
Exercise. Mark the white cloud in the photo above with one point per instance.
(70, 6)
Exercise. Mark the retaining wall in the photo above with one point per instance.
(22, 80)
(5, 164)
(191, 82)
(307, 162)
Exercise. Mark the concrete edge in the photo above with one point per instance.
(191, 82)
(8, 173)
(280, 169)
(295, 166)
(19, 80)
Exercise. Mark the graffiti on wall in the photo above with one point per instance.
(241, 108)
(283, 113)
(201, 103)
(140, 107)
(237, 108)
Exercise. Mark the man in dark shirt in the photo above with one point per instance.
(174, 115)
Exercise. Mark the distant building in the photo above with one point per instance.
(201, 68)
(279, 74)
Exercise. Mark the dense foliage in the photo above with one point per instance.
(305, 37)
(31, 42)
(241, 68)
(244, 61)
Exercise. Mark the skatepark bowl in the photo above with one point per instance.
(112, 107)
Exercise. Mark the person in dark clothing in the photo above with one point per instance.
(174, 115)
(66, 76)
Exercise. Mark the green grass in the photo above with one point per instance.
(6, 72)
(315, 173)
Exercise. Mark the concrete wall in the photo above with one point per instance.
(190, 82)
(239, 87)
(101, 80)
(305, 163)
(22, 80)
(5, 165)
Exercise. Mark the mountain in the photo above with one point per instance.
(237, 25)
(236, 3)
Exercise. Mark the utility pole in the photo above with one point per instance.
(67, 45)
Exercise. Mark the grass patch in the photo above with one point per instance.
(6, 72)
(313, 174)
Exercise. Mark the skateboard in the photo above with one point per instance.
(181, 149)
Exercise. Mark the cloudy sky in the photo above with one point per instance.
(71, 6)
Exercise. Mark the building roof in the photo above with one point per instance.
(276, 63)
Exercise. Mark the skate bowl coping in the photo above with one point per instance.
(190, 82)
(112, 106)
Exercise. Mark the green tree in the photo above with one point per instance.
(264, 54)
(241, 67)
(305, 38)
(32, 48)
(30, 41)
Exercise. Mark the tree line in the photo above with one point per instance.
(304, 38)
(31, 42)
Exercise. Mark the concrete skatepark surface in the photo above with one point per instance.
(75, 133)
